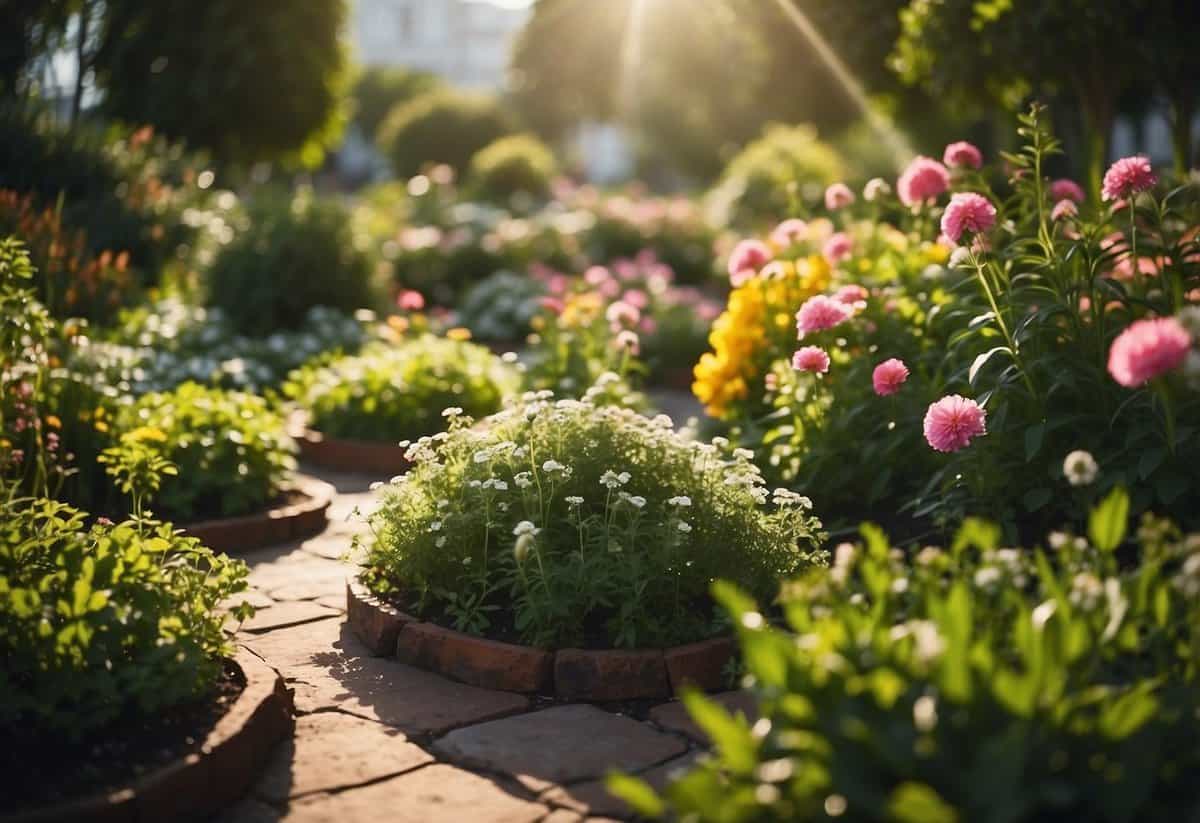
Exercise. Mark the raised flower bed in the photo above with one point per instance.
(566, 548)
(302, 513)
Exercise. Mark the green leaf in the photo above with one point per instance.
(1107, 522)
(1129, 712)
(1033, 440)
(1034, 499)
(918, 803)
(637, 793)
(1150, 460)
(730, 735)
(979, 362)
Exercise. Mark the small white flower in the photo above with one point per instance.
(435, 526)
(987, 576)
(502, 507)
(523, 480)
(624, 477)
(745, 454)
(452, 412)
(684, 527)
(525, 527)
(443, 503)
(610, 480)
(1080, 468)
(482, 456)
(523, 546)
(441, 542)
(681, 500)
(475, 484)
(552, 466)
(575, 500)
(637, 501)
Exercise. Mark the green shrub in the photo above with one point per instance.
(500, 307)
(975, 684)
(103, 623)
(389, 392)
(513, 167)
(294, 254)
(380, 89)
(441, 127)
(571, 524)
(767, 179)
(232, 449)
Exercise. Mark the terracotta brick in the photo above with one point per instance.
(699, 664)
(475, 660)
(376, 623)
(358, 456)
(580, 674)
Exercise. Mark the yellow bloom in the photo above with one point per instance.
(53, 422)
(459, 333)
(144, 434)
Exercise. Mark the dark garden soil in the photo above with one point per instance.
(45, 769)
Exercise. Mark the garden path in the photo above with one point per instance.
(378, 740)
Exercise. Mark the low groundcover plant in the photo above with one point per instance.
(566, 523)
(978, 683)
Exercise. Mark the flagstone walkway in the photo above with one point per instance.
(378, 740)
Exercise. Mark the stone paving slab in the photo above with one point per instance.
(332, 750)
(433, 794)
(328, 667)
(285, 614)
(563, 744)
(674, 717)
(592, 797)
(312, 589)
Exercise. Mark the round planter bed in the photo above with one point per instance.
(208, 776)
(351, 456)
(567, 674)
(302, 514)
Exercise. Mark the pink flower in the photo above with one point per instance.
(410, 300)
(621, 315)
(747, 258)
(889, 376)
(967, 212)
(1064, 189)
(837, 248)
(923, 180)
(838, 196)
(628, 341)
(552, 304)
(962, 155)
(1127, 176)
(851, 294)
(789, 232)
(1064, 209)
(1147, 349)
(636, 298)
(821, 312)
(811, 358)
(596, 275)
(952, 422)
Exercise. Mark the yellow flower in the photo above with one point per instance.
(459, 333)
(101, 426)
(53, 422)
(143, 434)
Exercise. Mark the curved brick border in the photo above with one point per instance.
(293, 521)
(569, 674)
(204, 781)
(352, 456)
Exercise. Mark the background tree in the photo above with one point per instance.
(31, 29)
(379, 89)
(444, 126)
(248, 81)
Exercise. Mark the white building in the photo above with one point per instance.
(466, 42)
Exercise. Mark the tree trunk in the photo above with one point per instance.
(81, 61)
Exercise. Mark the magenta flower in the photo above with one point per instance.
(923, 180)
(410, 300)
(636, 298)
(838, 196)
(1126, 177)
(851, 294)
(962, 155)
(811, 358)
(747, 258)
(967, 212)
(789, 232)
(1064, 209)
(1064, 189)
(952, 422)
(596, 275)
(837, 248)
(819, 313)
(889, 376)
(1147, 349)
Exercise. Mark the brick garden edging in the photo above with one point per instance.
(569, 674)
(204, 781)
(292, 521)
(351, 456)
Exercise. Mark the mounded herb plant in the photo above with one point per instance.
(566, 523)
(232, 449)
(975, 683)
(389, 392)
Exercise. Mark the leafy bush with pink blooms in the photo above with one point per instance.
(979, 328)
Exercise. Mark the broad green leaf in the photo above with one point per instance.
(979, 362)
(1128, 713)
(637, 793)
(919, 803)
(1107, 522)
(730, 735)
(1033, 440)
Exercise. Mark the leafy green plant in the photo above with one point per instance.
(294, 253)
(232, 449)
(390, 392)
(567, 523)
(976, 683)
(513, 167)
(443, 126)
(500, 307)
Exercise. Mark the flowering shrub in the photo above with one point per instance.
(389, 392)
(161, 345)
(1036, 338)
(977, 683)
(564, 523)
(232, 449)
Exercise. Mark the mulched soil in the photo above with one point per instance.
(44, 769)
